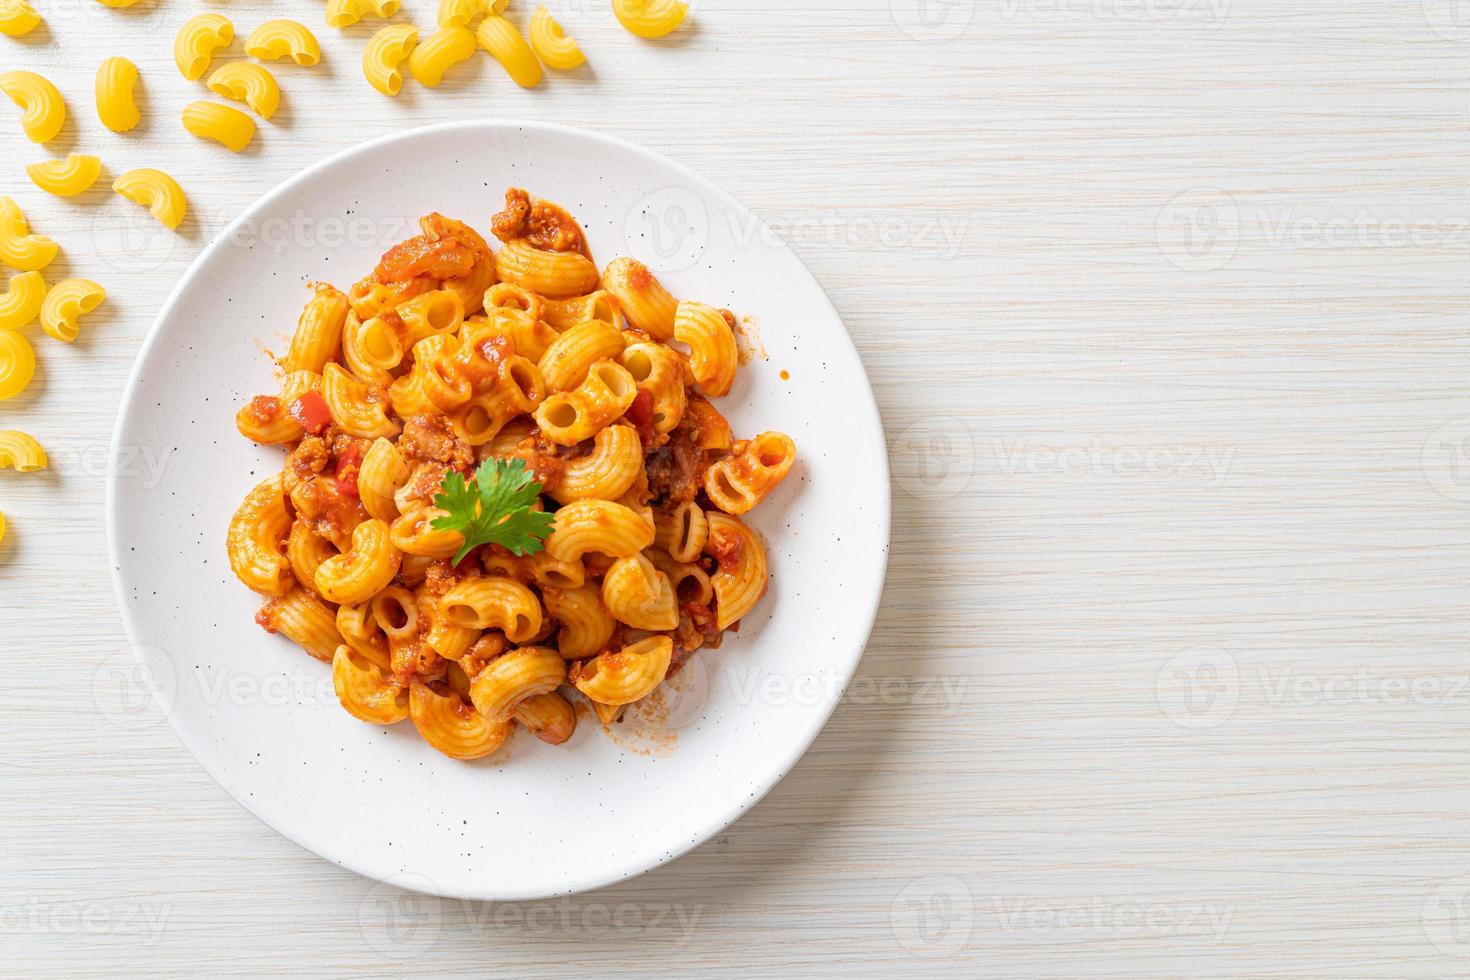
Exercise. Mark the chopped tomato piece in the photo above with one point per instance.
(640, 413)
(349, 462)
(310, 411)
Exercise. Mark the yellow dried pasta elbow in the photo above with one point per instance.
(116, 105)
(459, 13)
(17, 363)
(21, 452)
(43, 110)
(650, 18)
(198, 39)
(18, 247)
(17, 17)
(65, 302)
(243, 81)
(505, 44)
(282, 38)
(68, 177)
(551, 43)
(21, 301)
(345, 13)
(211, 121)
(384, 55)
(156, 191)
(439, 52)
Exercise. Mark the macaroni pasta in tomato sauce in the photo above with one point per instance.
(506, 487)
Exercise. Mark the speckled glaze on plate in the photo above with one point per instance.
(533, 820)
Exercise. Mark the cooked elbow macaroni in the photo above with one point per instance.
(430, 366)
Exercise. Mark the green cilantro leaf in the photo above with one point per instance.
(494, 508)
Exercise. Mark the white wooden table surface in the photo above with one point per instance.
(1165, 304)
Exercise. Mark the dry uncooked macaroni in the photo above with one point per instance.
(439, 52)
(18, 247)
(499, 37)
(650, 18)
(65, 303)
(68, 177)
(385, 52)
(21, 452)
(345, 13)
(17, 17)
(43, 111)
(277, 39)
(551, 44)
(449, 354)
(156, 191)
(197, 41)
(249, 83)
(229, 127)
(17, 363)
(21, 301)
(116, 78)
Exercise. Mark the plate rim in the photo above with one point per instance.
(349, 858)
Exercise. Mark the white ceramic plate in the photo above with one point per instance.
(533, 820)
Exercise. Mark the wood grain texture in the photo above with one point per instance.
(1165, 305)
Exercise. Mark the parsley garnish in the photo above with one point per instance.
(494, 508)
